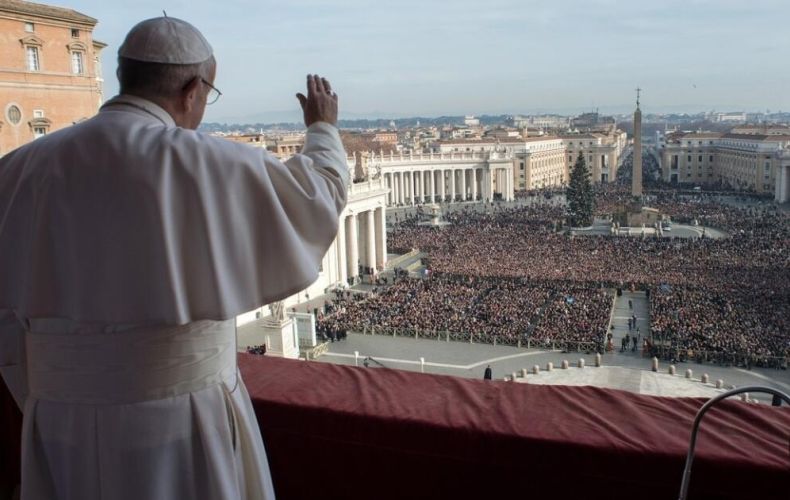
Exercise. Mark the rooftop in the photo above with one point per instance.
(48, 11)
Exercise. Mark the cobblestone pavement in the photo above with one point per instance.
(470, 360)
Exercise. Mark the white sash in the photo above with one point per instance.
(134, 365)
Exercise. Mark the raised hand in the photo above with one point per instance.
(320, 105)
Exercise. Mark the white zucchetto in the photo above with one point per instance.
(165, 40)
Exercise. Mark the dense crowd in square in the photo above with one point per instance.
(508, 274)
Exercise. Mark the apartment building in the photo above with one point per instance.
(50, 75)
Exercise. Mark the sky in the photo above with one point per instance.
(452, 57)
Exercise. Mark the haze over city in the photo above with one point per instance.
(432, 58)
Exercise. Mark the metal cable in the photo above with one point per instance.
(684, 485)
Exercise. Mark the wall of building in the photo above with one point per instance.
(54, 96)
(741, 161)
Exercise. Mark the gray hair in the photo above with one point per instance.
(146, 79)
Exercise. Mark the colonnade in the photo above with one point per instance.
(361, 244)
(782, 194)
(433, 185)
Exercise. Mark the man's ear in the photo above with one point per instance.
(190, 94)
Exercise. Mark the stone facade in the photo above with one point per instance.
(602, 152)
(749, 162)
(50, 76)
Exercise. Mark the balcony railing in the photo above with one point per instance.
(355, 433)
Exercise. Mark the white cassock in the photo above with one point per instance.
(127, 247)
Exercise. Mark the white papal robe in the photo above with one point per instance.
(127, 247)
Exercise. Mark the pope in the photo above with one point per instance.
(128, 245)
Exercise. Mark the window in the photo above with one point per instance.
(700, 158)
(14, 114)
(39, 132)
(38, 113)
(77, 66)
(30, 27)
(710, 158)
(75, 33)
(32, 59)
(689, 158)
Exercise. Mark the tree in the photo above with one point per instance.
(579, 194)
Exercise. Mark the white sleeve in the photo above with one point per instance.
(323, 145)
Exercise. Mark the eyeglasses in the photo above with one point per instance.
(213, 93)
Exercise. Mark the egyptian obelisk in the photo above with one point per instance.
(636, 177)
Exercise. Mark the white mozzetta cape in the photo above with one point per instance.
(127, 246)
(126, 218)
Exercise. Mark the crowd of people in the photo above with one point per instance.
(506, 273)
(743, 326)
(481, 309)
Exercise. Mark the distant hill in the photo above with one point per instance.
(359, 123)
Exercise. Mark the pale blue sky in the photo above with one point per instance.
(435, 57)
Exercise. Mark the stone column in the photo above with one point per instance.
(395, 188)
(474, 183)
(452, 184)
(782, 194)
(431, 185)
(401, 187)
(381, 238)
(342, 265)
(511, 185)
(411, 188)
(370, 246)
(417, 183)
(441, 184)
(406, 182)
(464, 172)
(352, 246)
(488, 191)
(406, 190)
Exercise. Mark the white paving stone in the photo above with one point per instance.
(628, 379)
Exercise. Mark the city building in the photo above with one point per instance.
(751, 162)
(541, 164)
(485, 173)
(537, 162)
(592, 122)
(541, 122)
(737, 117)
(602, 152)
(762, 129)
(471, 121)
(50, 75)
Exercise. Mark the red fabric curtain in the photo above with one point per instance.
(343, 432)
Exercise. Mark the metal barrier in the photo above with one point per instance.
(480, 338)
(668, 352)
